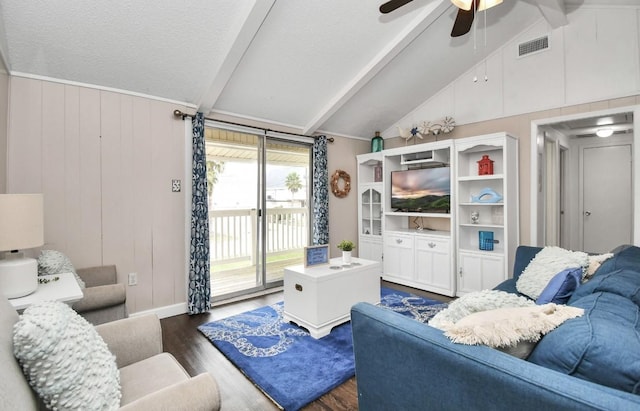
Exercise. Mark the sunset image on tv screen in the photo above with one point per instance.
(424, 190)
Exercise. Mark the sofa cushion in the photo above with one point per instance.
(623, 257)
(546, 264)
(54, 262)
(602, 346)
(624, 282)
(65, 360)
(474, 302)
(561, 286)
(15, 393)
(504, 327)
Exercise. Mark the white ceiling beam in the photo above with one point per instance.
(423, 20)
(554, 12)
(247, 32)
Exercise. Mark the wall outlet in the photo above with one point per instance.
(133, 278)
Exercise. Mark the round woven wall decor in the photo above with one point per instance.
(335, 183)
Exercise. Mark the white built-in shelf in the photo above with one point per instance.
(481, 178)
(371, 163)
(495, 253)
(438, 233)
(417, 214)
(480, 225)
(481, 204)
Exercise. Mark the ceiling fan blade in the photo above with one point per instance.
(391, 5)
(463, 23)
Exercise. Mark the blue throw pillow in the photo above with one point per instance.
(561, 286)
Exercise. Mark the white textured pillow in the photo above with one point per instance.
(547, 263)
(54, 262)
(595, 261)
(474, 302)
(505, 327)
(65, 359)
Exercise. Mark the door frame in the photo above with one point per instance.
(537, 127)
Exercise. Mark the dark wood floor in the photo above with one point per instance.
(197, 355)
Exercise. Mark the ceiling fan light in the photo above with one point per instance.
(482, 4)
(604, 132)
(462, 4)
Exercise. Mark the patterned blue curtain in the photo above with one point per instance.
(320, 192)
(199, 280)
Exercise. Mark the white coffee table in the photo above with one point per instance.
(65, 289)
(320, 297)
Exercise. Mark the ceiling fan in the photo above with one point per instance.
(464, 19)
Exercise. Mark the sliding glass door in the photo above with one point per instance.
(259, 188)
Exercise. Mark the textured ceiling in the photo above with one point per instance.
(320, 65)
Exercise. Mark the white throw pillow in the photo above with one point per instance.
(506, 327)
(65, 360)
(595, 261)
(54, 262)
(545, 265)
(474, 302)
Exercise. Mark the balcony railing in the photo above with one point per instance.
(234, 233)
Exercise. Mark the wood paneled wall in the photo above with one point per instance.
(104, 162)
(4, 110)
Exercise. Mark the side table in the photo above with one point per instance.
(65, 289)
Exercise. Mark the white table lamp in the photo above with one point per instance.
(21, 227)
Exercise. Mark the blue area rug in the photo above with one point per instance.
(285, 362)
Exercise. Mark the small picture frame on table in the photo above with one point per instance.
(316, 255)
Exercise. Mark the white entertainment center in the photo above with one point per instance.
(468, 246)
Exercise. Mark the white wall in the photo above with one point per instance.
(104, 162)
(595, 57)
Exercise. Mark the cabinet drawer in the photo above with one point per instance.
(432, 244)
(399, 240)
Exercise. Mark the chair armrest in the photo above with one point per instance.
(199, 393)
(132, 339)
(101, 275)
(101, 296)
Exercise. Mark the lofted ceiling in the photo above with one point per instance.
(332, 66)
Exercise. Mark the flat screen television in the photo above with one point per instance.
(424, 190)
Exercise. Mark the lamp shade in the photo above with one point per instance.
(482, 4)
(21, 221)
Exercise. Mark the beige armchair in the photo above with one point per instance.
(149, 378)
(104, 298)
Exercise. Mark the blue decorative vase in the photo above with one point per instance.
(377, 143)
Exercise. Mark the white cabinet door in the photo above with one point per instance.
(398, 256)
(370, 248)
(433, 264)
(478, 271)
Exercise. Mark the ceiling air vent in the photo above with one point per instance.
(533, 46)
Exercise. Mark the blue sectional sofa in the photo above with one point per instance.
(402, 364)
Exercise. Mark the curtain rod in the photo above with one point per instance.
(179, 113)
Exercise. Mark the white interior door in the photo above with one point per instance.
(607, 193)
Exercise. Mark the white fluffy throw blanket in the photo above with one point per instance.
(476, 302)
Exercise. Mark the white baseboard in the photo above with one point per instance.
(164, 312)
